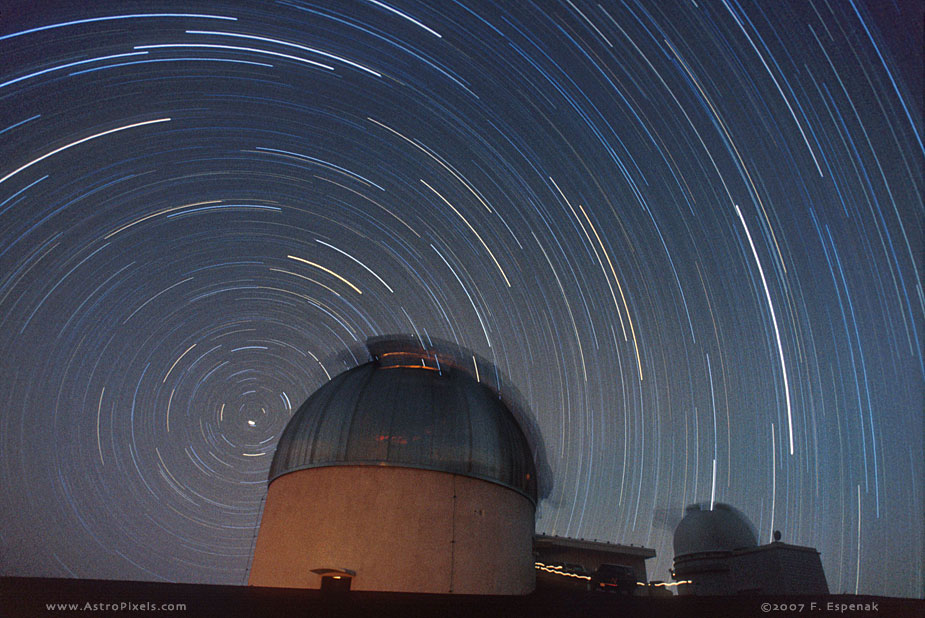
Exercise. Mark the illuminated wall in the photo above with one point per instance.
(399, 529)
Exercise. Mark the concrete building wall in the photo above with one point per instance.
(779, 568)
(399, 529)
(776, 568)
(493, 539)
(708, 572)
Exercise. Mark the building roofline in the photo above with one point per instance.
(542, 540)
(726, 553)
(775, 545)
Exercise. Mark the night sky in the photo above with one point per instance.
(689, 233)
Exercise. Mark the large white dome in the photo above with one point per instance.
(407, 408)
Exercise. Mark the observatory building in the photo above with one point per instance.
(403, 474)
(716, 552)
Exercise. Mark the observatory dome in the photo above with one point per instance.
(401, 411)
(723, 528)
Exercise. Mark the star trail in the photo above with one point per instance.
(689, 233)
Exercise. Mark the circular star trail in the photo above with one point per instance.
(689, 233)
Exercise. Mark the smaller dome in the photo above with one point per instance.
(723, 528)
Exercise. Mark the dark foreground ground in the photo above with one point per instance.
(36, 598)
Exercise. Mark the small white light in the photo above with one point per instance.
(252, 423)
